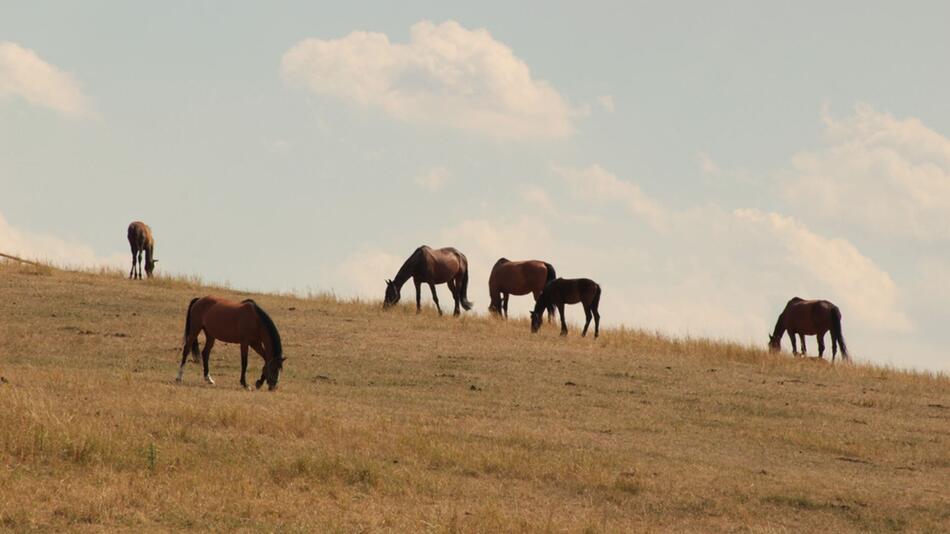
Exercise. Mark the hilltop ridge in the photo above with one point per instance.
(388, 420)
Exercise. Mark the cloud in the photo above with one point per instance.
(537, 196)
(835, 266)
(595, 182)
(879, 173)
(364, 272)
(607, 102)
(445, 76)
(52, 249)
(24, 74)
(679, 276)
(432, 180)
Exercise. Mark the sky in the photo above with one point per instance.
(703, 163)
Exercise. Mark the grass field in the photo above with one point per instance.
(392, 421)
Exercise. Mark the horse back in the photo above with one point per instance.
(808, 317)
(140, 235)
(227, 320)
(518, 277)
(442, 265)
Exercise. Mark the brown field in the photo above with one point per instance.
(389, 421)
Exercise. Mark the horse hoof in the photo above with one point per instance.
(209, 380)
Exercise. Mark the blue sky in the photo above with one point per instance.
(704, 163)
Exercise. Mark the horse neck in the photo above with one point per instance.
(149, 248)
(407, 270)
(779, 326)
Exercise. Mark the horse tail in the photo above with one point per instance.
(271, 329)
(463, 292)
(836, 333)
(551, 274)
(194, 344)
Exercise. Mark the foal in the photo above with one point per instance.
(569, 291)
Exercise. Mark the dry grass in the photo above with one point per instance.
(393, 421)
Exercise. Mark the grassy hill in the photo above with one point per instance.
(386, 420)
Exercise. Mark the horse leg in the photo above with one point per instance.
(505, 304)
(560, 309)
(138, 270)
(435, 298)
(589, 315)
(205, 355)
(133, 264)
(794, 345)
(259, 349)
(821, 344)
(456, 289)
(418, 295)
(802, 337)
(244, 365)
(184, 357)
(596, 319)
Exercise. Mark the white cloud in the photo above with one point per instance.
(55, 250)
(704, 259)
(607, 102)
(446, 75)
(432, 180)
(24, 74)
(835, 267)
(537, 196)
(883, 174)
(364, 273)
(595, 182)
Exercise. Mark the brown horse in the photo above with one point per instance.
(518, 278)
(140, 240)
(242, 322)
(432, 266)
(809, 318)
(569, 291)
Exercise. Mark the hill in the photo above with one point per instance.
(388, 420)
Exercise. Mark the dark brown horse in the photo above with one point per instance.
(809, 318)
(569, 291)
(242, 322)
(140, 240)
(432, 266)
(518, 278)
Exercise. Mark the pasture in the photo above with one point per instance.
(392, 421)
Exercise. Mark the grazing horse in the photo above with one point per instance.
(140, 240)
(518, 278)
(432, 266)
(809, 318)
(569, 291)
(242, 322)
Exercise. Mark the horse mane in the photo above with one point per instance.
(271, 329)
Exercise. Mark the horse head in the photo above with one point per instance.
(274, 367)
(535, 321)
(392, 294)
(775, 343)
(150, 266)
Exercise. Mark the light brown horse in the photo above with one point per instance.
(432, 266)
(141, 240)
(518, 278)
(809, 318)
(569, 291)
(244, 323)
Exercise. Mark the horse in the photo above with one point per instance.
(562, 291)
(432, 266)
(518, 278)
(140, 240)
(809, 318)
(242, 322)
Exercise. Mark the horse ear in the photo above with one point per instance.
(154, 260)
